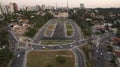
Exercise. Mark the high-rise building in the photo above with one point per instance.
(37, 8)
(43, 7)
(4, 9)
(8, 9)
(1, 9)
(82, 6)
(13, 7)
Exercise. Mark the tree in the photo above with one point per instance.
(118, 33)
(60, 59)
(49, 65)
(31, 32)
(3, 37)
(109, 48)
(5, 56)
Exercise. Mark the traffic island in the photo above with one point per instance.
(50, 30)
(68, 30)
(50, 58)
(55, 42)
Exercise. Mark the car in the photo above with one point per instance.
(71, 45)
(32, 48)
(61, 46)
(96, 50)
(43, 47)
(101, 53)
(18, 55)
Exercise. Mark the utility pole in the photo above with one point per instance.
(56, 4)
(67, 6)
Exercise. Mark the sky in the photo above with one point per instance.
(63, 3)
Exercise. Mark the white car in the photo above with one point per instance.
(101, 53)
(97, 51)
(32, 48)
(60, 46)
(43, 47)
(18, 55)
(71, 45)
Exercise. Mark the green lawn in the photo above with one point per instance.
(69, 29)
(48, 32)
(51, 26)
(68, 26)
(69, 32)
(53, 42)
(44, 58)
(49, 29)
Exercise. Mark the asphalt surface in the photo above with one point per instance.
(59, 33)
(18, 61)
(99, 49)
(79, 58)
(37, 46)
(41, 32)
(13, 42)
(76, 36)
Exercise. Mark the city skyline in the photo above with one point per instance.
(63, 3)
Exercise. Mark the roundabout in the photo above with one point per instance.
(58, 32)
(59, 39)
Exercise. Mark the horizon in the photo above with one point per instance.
(63, 3)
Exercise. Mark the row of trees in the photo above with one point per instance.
(5, 56)
(79, 18)
(5, 53)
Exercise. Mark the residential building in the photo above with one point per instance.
(117, 60)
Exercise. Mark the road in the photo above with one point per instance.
(80, 57)
(37, 46)
(77, 33)
(99, 49)
(59, 32)
(18, 61)
(40, 34)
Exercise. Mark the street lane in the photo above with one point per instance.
(18, 61)
(79, 57)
